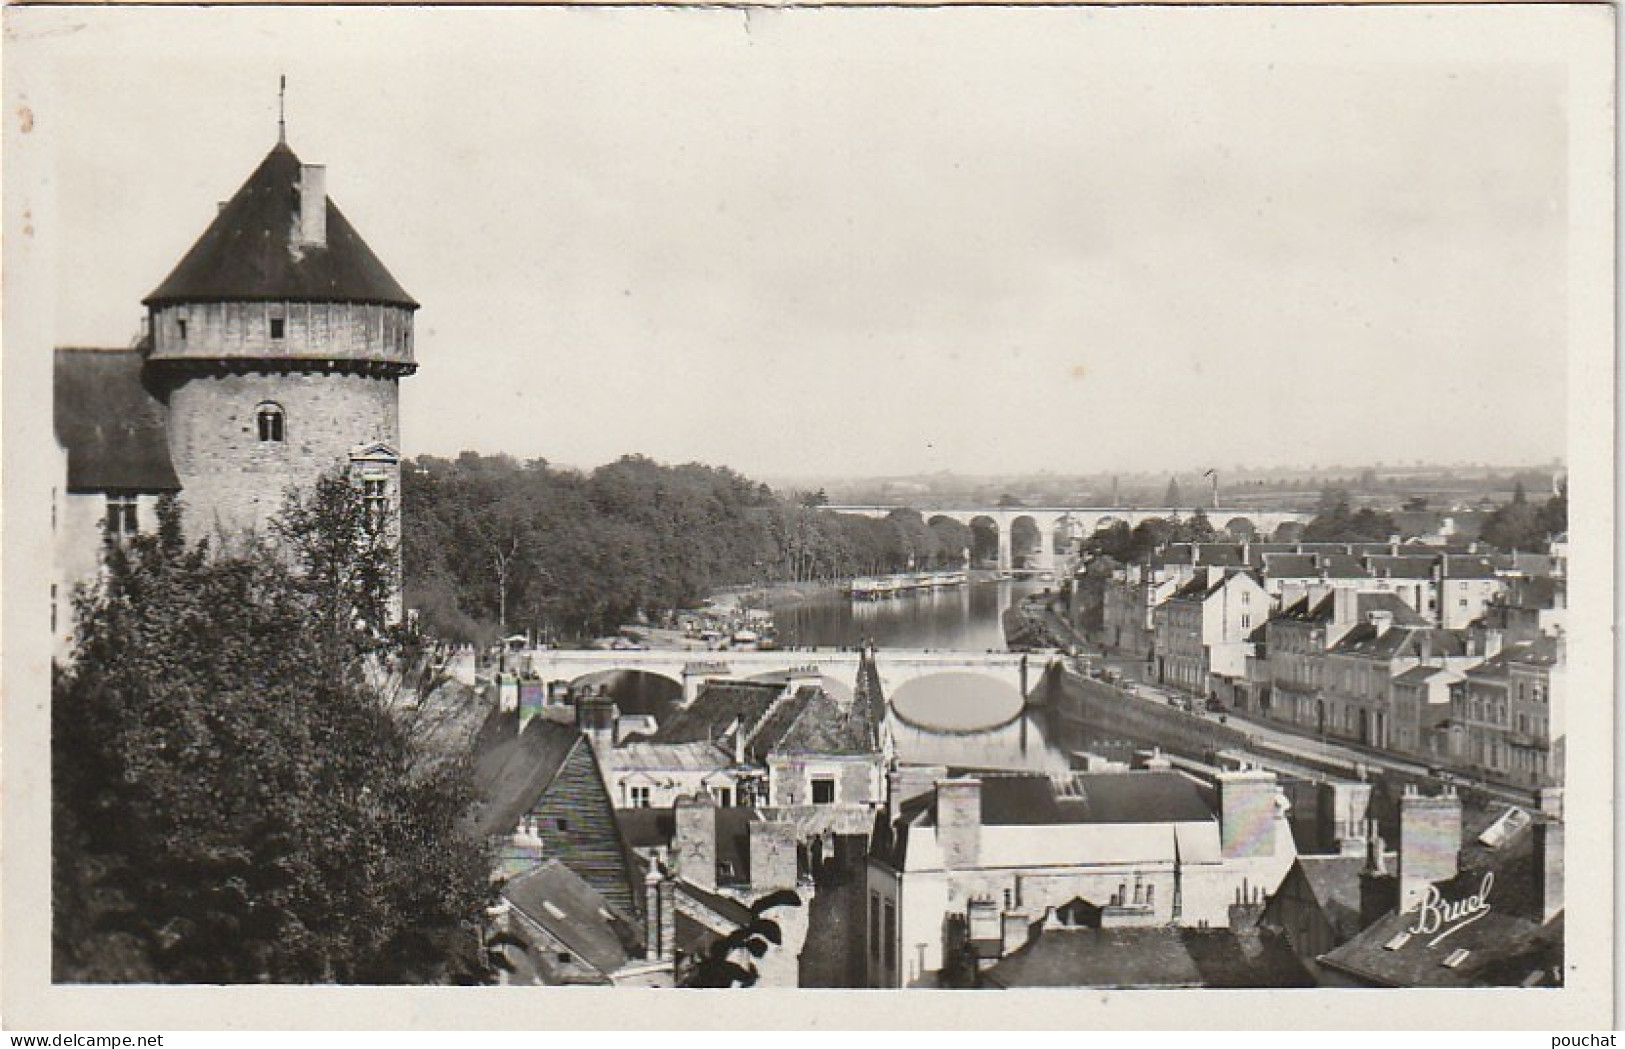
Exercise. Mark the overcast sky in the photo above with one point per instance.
(865, 242)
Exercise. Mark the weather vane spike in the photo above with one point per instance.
(281, 111)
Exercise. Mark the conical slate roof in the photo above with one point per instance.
(249, 251)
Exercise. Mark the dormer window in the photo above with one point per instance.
(270, 419)
(277, 326)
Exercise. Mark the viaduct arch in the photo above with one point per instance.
(1080, 522)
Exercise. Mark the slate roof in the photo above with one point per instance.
(115, 429)
(1504, 947)
(1343, 566)
(1468, 567)
(1334, 881)
(717, 707)
(248, 252)
(684, 757)
(820, 726)
(549, 769)
(1291, 566)
(1540, 652)
(1395, 642)
(1149, 957)
(556, 898)
(513, 769)
(1017, 799)
(1422, 674)
(1390, 567)
(1496, 944)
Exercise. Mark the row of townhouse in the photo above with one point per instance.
(1360, 667)
(1451, 657)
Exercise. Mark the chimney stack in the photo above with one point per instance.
(696, 839)
(1429, 842)
(1247, 813)
(313, 205)
(772, 855)
(1375, 861)
(1549, 867)
(1345, 613)
(651, 918)
(959, 822)
(1379, 888)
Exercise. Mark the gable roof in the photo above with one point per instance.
(550, 770)
(1468, 567)
(1334, 882)
(557, 899)
(1150, 957)
(248, 252)
(1290, 566)
(1396, 641)
(718, 706)
(512, 769)
(820, 726)
(1538, 652)
(114, 428)
(1387, 566)
(1017, 799)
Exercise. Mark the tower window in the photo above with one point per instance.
(121, 515)
(375, 491)
(277, 324)
(270, 421)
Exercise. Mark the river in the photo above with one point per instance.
(991, 728)
(960, 618)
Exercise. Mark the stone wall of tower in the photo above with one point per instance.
(232, 481)
(322, 330)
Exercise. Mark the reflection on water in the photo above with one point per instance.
(1024, 744)
(962, 618)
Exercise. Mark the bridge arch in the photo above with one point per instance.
(1289, 532)
(635, 690)
(1026, 542)
(1241, 528)
(987, 538)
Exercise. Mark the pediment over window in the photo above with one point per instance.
(376, 452)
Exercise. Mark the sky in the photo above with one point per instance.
(869, 242)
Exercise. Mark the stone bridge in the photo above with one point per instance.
(1078, 522)
(691, 669)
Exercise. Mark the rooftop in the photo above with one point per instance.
(113, 426)
(249, 253)
(1024, 799)
(1150, 958)
(720, 706)
(557, 899)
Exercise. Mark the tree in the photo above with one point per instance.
(1171, 497)
(1198, 529)
(232, 801)
(345, 562)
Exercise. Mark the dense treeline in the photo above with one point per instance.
(1522, 525)
(234, 796)
(492, 543)
(1124, 544)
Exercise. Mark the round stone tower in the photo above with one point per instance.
(278, 343)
